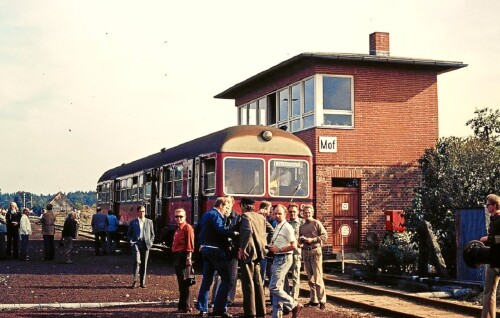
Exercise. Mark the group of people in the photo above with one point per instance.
(105, 229)
(250, 239)
(16, 228)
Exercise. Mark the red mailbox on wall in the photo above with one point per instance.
(394, 221)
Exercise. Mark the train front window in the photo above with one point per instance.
(288, 178)
(243, 176)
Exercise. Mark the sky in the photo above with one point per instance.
(88, 85)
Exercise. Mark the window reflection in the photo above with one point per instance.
(243, 176)
(289, 178)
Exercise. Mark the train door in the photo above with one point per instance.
(196, 191)
(346, 211)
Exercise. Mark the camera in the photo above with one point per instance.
(302, 239)
(476, 253)
(267, 247)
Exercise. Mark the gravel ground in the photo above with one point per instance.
(100, 279)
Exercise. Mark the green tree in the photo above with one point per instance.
(457, 173)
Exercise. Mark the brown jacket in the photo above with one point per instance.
(48, 221)
(253, 236)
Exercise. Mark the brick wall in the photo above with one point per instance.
(382, 188)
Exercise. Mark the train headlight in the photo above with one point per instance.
(267, 135)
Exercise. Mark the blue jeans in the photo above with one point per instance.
(281, 300)
(214, 259)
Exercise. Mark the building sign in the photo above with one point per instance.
(327, 144)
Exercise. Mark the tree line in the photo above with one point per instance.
(37, 202)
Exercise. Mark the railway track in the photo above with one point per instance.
(388, 302)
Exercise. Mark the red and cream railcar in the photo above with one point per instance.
(263, 163)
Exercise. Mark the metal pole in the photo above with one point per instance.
(342, 246)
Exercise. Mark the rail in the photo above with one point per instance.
(388, 301)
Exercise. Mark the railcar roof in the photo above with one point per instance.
(237, 139)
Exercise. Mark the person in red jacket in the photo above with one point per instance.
(183, 247)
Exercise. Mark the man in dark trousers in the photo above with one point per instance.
(182, 248)
(99, 227)
(252, 250)
(140, 234)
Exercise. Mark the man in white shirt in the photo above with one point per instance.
(24, 232)
(141, 235)
(282, 245)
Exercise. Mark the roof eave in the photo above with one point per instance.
(439, 66)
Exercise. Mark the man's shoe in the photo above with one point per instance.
(203, 314)
(311, 304)
(68, 262)
(143, 286)
(134, 285)
(322, 306)
(296, 310)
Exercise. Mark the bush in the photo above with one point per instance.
(396, 254)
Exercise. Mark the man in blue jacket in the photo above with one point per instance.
(140, 234)
(214, 249)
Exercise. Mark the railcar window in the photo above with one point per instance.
(129, 189)
(209, 176)
(178, 181)
(243, 176)
(141, 187)
(189, 185)
(288, 178)
(123, 190)
(167, 182)
(135, 188)
(99, 193)
(147, 187)
(117, 191)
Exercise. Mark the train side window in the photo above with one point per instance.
(123, 190)
(147, 186)
(189, 183)
(167, 182)
(178, 181)
(141, 187)
(243, 176)
(99, 194)
(135, 188)
(117, 191)
(129, 189)
(209, 176)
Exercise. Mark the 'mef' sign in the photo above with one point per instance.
(327, 144)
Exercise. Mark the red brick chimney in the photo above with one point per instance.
(379, 43)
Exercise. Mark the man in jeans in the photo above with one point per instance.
(283, 243)
(214, 245)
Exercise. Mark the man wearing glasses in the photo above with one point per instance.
(491, 277)
(140, 234)
(214, 246)
(183, 247)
